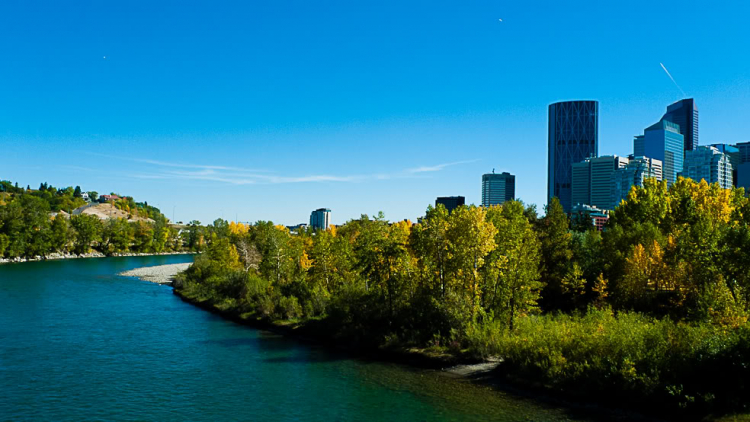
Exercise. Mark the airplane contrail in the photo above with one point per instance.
(673, 81)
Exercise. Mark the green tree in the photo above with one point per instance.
(433, 248)
(88, 232)
(117, 236)
(556, 254)
(471, 238)
(60, 233)
(513, 267)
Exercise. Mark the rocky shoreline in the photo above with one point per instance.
(57, 256)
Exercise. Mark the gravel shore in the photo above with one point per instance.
(56, 256)
(162, 274)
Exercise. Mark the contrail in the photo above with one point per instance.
(670, 77)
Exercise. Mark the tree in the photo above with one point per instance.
(59, 233)
(93, 195)
(117, 236)
(432, 247)
(196, 237)
(556, 254)
(88, 232)
(143, 236)
(471, 238)
(369, 248)
(513, 267)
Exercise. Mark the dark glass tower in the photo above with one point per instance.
(573, 137)
(451, 202)
(685, 114)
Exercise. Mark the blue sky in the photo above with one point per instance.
(269, 109)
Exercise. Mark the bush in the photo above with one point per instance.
(289, 307)
(625, 356)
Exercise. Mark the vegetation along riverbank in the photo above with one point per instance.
(651, 313)
(60, 223)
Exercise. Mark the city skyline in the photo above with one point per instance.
(270, 115)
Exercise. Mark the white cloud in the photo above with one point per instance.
(245, 176)
(425, 169)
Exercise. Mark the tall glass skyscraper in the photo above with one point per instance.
(662, 141)
(685, 114)
(573, 136)
(743, 169)
(498, 188)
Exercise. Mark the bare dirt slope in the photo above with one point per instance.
(107, 211)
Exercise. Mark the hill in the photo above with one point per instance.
(108, 211)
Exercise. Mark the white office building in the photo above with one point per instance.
(709, 164)
(632, 174)
(320, 219)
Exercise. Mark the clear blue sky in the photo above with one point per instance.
(269, 109)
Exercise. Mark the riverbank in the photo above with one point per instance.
(58, 256)
(457, 365)
(160, 274)
(316, 331)
(139, 340)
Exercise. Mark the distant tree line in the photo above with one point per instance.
(37, 223)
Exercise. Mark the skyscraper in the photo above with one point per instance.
(662, 141)
(634, 173)
(450, 202)
(734, 157)
(709, 164)
(593, 181)
(685, 114)
(320, 219)
(498, 188)
(573, 136)
(743, 169)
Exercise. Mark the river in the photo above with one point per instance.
(78, 342)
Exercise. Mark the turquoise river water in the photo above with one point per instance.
(78, 342)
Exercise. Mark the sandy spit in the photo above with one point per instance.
(162, 274)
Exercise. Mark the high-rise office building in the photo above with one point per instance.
(592, 181)
(498, 188)
(734, 157)
(709, 164)
(320, 219)
(573, 135)
(632, 174)
(664, 142)
(685, 114)
(743, 168)
(744, 152)
(450, 202)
